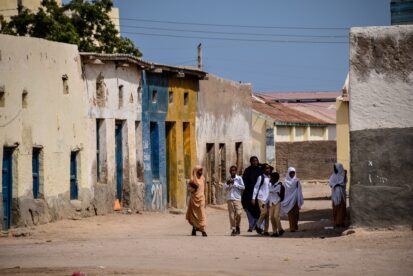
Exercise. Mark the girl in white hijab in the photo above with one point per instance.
(293, 199)
(338, 181)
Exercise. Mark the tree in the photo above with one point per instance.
(80, 22)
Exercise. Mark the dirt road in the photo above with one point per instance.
(160, 244)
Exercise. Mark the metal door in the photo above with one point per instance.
(119, 160)
(7, 186)
(35, 172)
(73, 176)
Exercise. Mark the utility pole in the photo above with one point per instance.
(200, 56)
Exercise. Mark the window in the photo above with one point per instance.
(65, 80)
(120, 95)
(171, 97)
(24, 99)
(73, 176)
(2, 100)
(36, 172)
(154, 96)
(186, 98)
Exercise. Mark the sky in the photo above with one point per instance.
(267, 43)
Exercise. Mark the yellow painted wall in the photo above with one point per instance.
(179, 113)
(343, 135)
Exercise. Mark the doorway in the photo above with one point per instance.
(7, 186)
(171, 164)
(73, 176)
(210, 173)
(119, 159)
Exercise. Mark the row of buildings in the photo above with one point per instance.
(82, 130)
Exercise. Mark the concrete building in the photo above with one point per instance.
(114, 99)
(169, 98)
(9, 8)
(300, 131)
(223, 126)
(381, 125)
(42, 132)
(401, 12)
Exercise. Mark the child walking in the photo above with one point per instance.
(274, 201)
(234, 187)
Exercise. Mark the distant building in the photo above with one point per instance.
(294, 122)
(401, 12)
(9, 8)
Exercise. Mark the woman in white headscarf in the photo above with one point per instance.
(293, 199)
(338, 181)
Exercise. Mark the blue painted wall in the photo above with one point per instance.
(154, 112)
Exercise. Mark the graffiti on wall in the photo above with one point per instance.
(156, 192)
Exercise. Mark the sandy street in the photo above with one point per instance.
(160, 244)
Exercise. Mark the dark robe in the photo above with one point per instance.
(250, 177)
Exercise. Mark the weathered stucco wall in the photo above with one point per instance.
(180, 133)
(223, 119)
(262, 138)
(343, 136)
(114, 96)
(381, 125)
(40, 109)
(313, 160)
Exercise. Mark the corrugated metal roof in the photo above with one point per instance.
(318, 111)
(281, 113)
(314, 95)
(144, 63)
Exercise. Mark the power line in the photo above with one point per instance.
(239, 39)
(233, 33)
(235, 26)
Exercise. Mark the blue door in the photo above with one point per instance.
(7, 184)
(35, 171)
(154, 133)
(119, 160)
(73, 176)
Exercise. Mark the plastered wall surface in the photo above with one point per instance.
(223, 116)
(381, 125)
(53, 119)
(114, 95)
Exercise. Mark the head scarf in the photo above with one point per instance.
(337, 178)
(195, 179)
(293, 193)
(288, 180)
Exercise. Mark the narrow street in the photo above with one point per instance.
(160, 244)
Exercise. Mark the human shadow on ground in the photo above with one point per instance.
(315, 223)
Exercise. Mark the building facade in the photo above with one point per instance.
(381, 125)
(42, 132)
(223, 125)
(114, 99)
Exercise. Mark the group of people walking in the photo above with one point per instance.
(263, 197)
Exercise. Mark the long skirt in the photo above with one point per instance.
(339, 213)
(293, 216)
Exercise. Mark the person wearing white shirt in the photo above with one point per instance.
(260, 197)
(234, 187)
(274, 200)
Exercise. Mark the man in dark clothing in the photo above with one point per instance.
(250, 177)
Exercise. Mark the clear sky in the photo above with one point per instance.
(268, 65)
